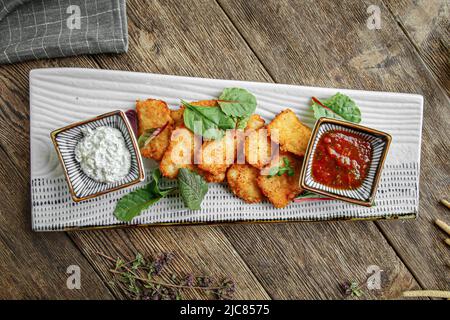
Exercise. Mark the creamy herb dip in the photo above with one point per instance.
(103, 155)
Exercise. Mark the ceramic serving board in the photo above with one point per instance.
(59, 97)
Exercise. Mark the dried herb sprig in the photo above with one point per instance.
(352, 289)
(140, 279)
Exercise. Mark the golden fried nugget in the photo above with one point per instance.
(287, 130)
(177, 116)
(258, 147)
(217, 155)
(255, 122)
(158, 145)
(154, 114)
(209, 177)
(280, 190)
(242, 179)
(179, 154)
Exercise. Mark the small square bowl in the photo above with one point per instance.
(80, 185)
(363, 195)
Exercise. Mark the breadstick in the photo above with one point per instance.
(445, 203)
(447, 241)
(441, 224)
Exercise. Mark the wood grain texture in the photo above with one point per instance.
(200, 250)
(32, 265)
(296, 49)
(427, 24)
(310, 261)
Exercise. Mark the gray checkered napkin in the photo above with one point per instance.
(35, 29)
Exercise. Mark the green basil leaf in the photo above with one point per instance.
(131, 205)
(279, 170)
(338, 106)
(241, 123)
(209, 122)
(192, 188)
(237, 102)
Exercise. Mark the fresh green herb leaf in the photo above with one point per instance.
(131, 205)
(280, 170)
(146, 137)
(338, 106)
(237, 102)
(192, 188)
(209, 122)
(241, 123)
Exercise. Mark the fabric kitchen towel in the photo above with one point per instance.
(34, 29)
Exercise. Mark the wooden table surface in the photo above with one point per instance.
(314, 43)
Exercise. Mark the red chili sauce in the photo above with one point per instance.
(341, 160)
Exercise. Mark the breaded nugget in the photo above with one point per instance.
(287, 130)
(158, 145)
(258, 148)
(179, 154)
(177, 116)
(153, 114)
(217, 155)
(255, 122)
(280, 190)
(242, 179)
(209, 177)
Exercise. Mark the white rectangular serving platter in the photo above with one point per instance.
(62, 96)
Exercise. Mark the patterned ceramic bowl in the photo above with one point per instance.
(80, 185)
(365, 193)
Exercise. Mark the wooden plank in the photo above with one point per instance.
(32, 265)
(199, 250)
(174, 42)
(328, 44)
(427, 25)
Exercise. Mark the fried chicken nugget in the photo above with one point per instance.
(177, 116)
(217, 155)
(280, 190)
(153, 114)
(209, 177)
(258, 147)
(287, 130)
(179, 154)
(255, 122)
(242, 179)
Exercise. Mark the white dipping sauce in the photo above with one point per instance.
(103, 155)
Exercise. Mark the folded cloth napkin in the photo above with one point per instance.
(34, 29)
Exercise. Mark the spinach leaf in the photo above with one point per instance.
(241, 123)
(208, 122)
(131, 205)
(237, 102)
(192, 188)
(338, 106)
(280, 170)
